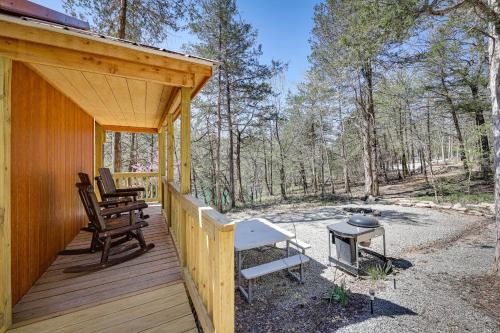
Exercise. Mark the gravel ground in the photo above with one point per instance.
(436, 253)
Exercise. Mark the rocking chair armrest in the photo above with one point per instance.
(123, 209)
(107, 204)
(131, 189)
(123, 230)
(120, 194)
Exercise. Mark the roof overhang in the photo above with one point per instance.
(118, 83)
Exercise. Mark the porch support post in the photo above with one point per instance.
(185, 141)
(185, 166)
(170, 166)
(99, 139)
(161, 166)
(5, 203)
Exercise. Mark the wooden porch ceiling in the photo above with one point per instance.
(115, 81)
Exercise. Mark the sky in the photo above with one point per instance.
(283, 28)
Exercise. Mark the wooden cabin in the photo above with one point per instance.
(61, 88)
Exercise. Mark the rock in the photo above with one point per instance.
(459, 207)
(425, 204)
(370, 199)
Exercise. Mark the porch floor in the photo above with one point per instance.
(145, 294)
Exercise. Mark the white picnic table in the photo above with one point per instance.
(256, 233)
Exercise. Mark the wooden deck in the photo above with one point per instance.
(145, 294)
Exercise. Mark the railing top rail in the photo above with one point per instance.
(220, 221)
(136, 174)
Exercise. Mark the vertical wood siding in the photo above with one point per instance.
(52, 140)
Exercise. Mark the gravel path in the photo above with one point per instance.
(436, 251)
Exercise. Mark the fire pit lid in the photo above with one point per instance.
(363, 221)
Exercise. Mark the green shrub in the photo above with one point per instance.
(379, 272)
(338, 293)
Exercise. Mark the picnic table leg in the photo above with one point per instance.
(238, 265)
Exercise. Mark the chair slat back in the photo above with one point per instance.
(89, 201)
(101, 189)
(107, 180)
(84, 178)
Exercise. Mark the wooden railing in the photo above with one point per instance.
(205, 242)
(149, 180)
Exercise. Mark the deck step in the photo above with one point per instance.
(274, 266)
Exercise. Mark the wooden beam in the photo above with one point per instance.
(185, 140)
(170, 148)
(161, 164)
(81, 60)
(173, 96)
(99, 139)
(72, 40)
(170, 167)
(175, 108)
(130, 129)
(5, 202)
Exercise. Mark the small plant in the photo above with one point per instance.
(338, 293)
(379, 272)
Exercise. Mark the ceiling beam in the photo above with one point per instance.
(130, 129)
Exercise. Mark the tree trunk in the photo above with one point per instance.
(132, 153)
(303, 177)
(117, 144)
(241, 193)
(347, 182)
(404, 161)
(282, 160)
(483, 139)
(271, 183)
(456, 123)
(266, 176)
(230, 157)
(494, 54)
(218, 177)
(322, 154)
(373, 136)
(123, 19)
(117, 152)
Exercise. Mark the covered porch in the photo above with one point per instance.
(146, 293)
(61, 89)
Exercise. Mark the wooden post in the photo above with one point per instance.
(99, 139)
(170, 166)
(185, 164)
(185, 141)
(223, 304)
(5, 208)
(161, 165)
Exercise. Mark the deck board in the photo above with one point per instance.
(143, 294)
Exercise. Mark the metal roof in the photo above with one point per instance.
(107, 39)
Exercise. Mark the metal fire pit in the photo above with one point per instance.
(347, 237)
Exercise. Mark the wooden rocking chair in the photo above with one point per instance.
(108, 190)
(125, 228)
(95, 244)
